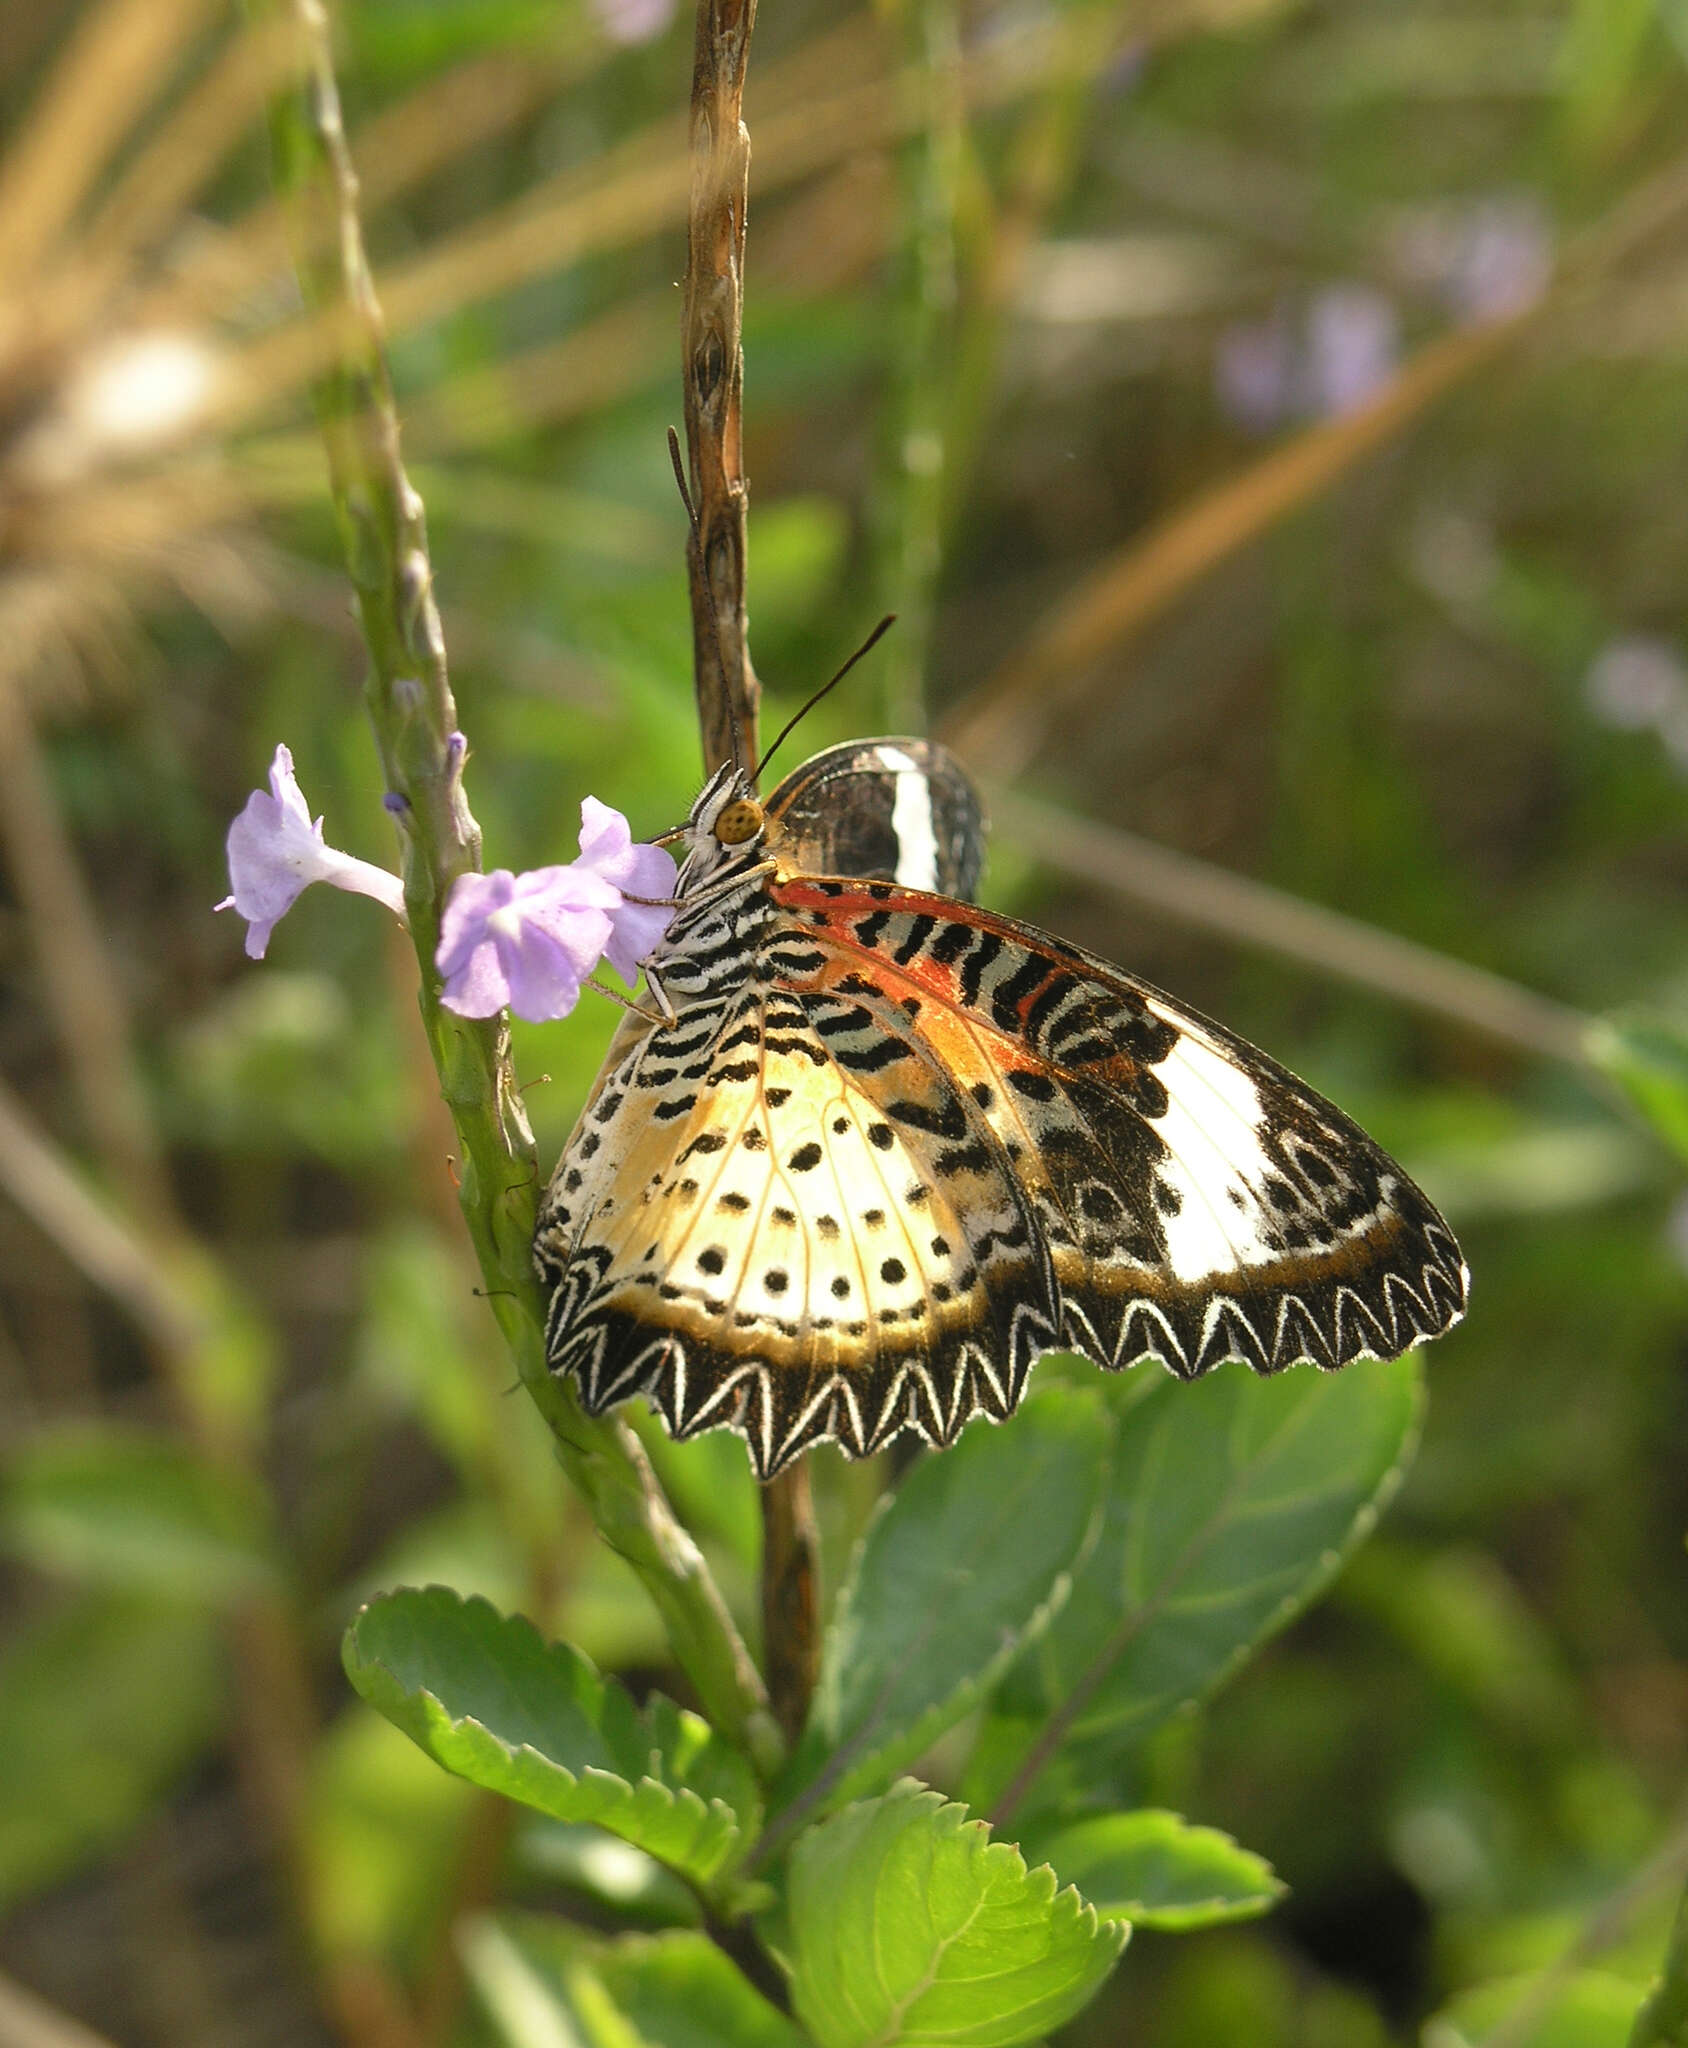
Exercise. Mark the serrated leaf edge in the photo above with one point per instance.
(1216, 1904)
(699, 1811)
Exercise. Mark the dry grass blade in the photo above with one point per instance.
(214, 115)
(30, 2022)
(641, 188)
(398, 148)
(1000, 726)
(76, 967)
(1194, 892)
(117, 54)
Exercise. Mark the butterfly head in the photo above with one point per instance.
(727, 826)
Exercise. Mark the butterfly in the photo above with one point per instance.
(887, 1148)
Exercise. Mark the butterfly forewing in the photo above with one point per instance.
(914, 1145)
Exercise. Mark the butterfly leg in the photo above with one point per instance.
(658, 993)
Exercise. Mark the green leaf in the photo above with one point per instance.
(129, 1509)
(907, 1923)
(1647, 1055)
(103, 1702)
(545, 1984)
(1663, 2020)
(961, 1569)
(1158, 1870)
(487, 1697)
(1590, 2009)
(1231, 1502)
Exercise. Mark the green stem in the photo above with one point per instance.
(917, 457)
(422, 756)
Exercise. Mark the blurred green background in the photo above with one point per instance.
(1397, 295)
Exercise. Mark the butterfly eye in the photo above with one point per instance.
(741, 820)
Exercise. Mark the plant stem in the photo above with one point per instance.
(725, 681)
(917, 464)
(790, 1596)
(422, 757)
(713, 360)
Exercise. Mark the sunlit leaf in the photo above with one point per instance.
(544, 1985)
(906, 1922)
(1158, 1870)
(487, 1697)
(1230, 1503)
(965, 1564)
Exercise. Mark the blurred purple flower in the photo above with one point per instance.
(1353, 345)
(633, 21)
(276, 852)
(528, 942)
(1327, 360)
(1485, 260)
(1635, 682)
(1254, 373)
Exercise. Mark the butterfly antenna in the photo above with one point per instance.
(678, 461)
(832, 682)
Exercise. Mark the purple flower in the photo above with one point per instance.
(633, 21)
(1254, 373)
(528, 942)
(276, 852)
(1485, 260)
(607, 849)
(1352, 347)
(1329, 358)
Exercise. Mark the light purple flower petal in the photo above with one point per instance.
(634, 21)
(607, 848)
(1353, 344)
(1254, 373)
(275, 852)
(523, 941)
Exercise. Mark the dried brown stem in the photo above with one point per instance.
(1002, 724)
(411, 708)
(724, 678)
(790, 1596)
(714, 372)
